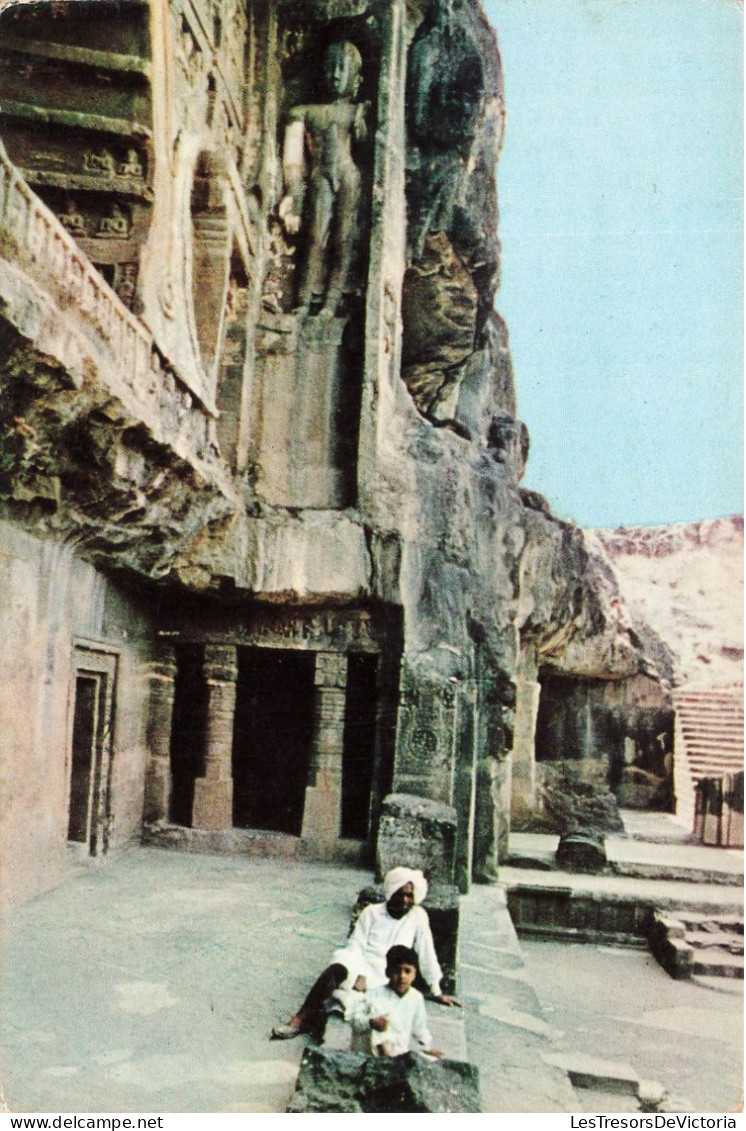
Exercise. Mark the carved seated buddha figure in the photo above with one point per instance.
(115, 224)
(72, 219)
(131, 166)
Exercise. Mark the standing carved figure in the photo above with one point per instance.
(322, 182)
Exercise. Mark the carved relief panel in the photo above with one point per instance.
(76, 118)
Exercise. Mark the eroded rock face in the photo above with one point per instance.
(683, 584)
(331, 1081)
(455, 121)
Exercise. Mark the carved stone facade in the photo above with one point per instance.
(255, 398)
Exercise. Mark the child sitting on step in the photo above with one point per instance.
(391, 1020)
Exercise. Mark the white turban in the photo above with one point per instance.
(398, 877)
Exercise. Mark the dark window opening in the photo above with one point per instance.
(187, 732)
(359, 745)
(272, 738)
(106, 270)
(84, 759)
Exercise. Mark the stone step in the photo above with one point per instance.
(720, 767)
(730, 764)
(717, 963)
(729, 756)
(700, 736)
(710, 710)
(707, 711)
(607, 1077)
(708, 697)
(717, 741)
(707, 746)
(714, 726)
(702, 767)
(723, 940)
(727, 721)
(715, 717)
(733, 924)
(717, 723)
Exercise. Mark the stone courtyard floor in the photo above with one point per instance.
(150, 985)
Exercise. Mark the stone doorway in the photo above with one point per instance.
(90, 751)
(272, 738)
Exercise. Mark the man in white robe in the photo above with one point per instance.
(360, 965)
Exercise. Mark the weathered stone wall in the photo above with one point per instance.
(619, 732)
(255, 360)
(58, 611)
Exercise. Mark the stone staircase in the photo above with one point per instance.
(696, 945)
(708, 741)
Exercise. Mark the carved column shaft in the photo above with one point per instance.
(213, 793)
(158, 771)
(322, 815)
(524, 737)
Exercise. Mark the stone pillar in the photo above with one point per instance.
(322, 814)
(158, 771)
(524, 742)
(213, 793)
(427, 734)
(503, 792)
(487, 820)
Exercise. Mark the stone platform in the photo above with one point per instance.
(657, 866)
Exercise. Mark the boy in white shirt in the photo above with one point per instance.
(390, 1020)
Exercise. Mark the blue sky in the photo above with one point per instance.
(621, 216)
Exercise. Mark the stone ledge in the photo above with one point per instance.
(261, 843)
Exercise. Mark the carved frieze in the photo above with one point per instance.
(330, 631)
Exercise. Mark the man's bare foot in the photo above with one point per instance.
(294, 1028)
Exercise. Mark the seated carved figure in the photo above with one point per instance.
(72, 219)
(131, 166)
(102, 163)
(116, 224)
(322, 182)
(360, 965)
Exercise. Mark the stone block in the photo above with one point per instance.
(591, 1072)
(342, 1082)
(581, 853)
(419, 833)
